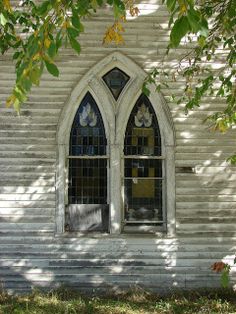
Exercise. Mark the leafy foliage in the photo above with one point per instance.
(36, 32)
(210, 27)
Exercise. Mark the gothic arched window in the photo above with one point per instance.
(87, 187)
(115, 171)
(143, 167)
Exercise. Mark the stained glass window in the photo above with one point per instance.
(87, 188)
(116, 81)
(143, 178)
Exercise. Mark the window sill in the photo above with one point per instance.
(124, 235)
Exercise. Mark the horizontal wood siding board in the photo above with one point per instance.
(30, 252)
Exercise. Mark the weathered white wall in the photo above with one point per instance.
(205, 200)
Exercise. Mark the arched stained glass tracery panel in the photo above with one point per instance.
(143, 166)
(88, 169)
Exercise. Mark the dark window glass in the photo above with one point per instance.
(88, 181)
(143, 172)
(88, 174)
(116, 81)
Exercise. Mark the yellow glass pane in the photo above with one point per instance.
(151, 172)
(134, 172)
(143, 188)
(134, 140)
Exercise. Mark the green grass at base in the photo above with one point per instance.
(65, 301)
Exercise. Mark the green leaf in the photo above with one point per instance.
(171, 19)
(52, 50)
(20, 70)
(145, 90)
(72, 32)
(35, 75)
(170, 4)
(26, 84)
(19, 93)
(232, 160)
(16, 55)
(208, 57)
(119, 8)
(204, 31)
(52, 68)
(16, 105)
(44, 7)
(75, 45)
(76, 21)
(193, 19)
(3, 19)
(180, 29)
(58, 40)
(201, 41)
(33, 48)
(82, 7)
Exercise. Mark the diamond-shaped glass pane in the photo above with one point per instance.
(116, 81)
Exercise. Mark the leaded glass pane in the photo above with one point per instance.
(143, 168)
(116, 81)
(87, 165)
(88, 181)
(143, 200)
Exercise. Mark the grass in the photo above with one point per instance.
(65, 301)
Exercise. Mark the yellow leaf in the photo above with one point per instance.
(47, 42)
(10, 100)
(94, 4)
(113, 34)
(183, 9)
(119, 27)
(183, 6)
(36, 57)
(222, 126)
(66, 24)
(25, 72)
(7, 5)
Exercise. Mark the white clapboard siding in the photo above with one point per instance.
(30, 252)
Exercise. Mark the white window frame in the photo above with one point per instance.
(115, 115)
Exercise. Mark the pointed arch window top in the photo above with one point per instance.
(116, 81)
(88, 133)
(142, 135)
